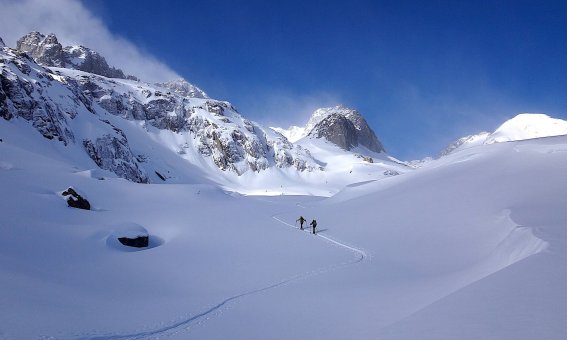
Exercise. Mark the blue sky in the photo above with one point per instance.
(423, 73)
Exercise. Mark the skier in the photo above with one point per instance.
(301, 221)
(314, 225)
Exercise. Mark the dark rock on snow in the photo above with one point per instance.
(138, 242)
(75, 200)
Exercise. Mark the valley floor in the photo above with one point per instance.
(471, 246)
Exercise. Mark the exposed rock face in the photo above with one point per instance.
(218, 132)
(84, 59)
(47, 51)
(344, 127)
(2, 43)
(112, 152)
(184, 89)
(53, 100)
(25, 92)
(338, 130)
(74, 200)
(37, 95)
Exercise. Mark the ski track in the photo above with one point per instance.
(185, 325)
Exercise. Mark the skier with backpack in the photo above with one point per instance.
(301, 221)
(314, 225)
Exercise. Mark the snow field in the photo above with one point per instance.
(440, 245)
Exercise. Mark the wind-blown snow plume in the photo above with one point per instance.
(73, 24)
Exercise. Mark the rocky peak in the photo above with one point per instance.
(84, 59)
(30, 41)
(184, 89)
(338, 130)
(46, 50)
(344, 127)
(2, 43)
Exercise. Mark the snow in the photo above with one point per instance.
(293, 133)
(527, 126)
(471, 245)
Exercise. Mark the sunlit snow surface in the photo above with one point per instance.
(470, 246)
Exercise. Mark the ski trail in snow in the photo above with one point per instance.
(360, 252)
(185, 325)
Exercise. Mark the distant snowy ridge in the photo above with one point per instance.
(528, 126)
(465, 143)
(521, 127)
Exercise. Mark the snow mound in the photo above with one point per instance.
(528, 126)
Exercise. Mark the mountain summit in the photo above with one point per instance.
(71, 95)
(340, 125)
(521, 127)
(47, 51)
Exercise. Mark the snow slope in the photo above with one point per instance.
(521, 127)
(527, 126)
(470, 246)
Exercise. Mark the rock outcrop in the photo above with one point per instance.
(112, 152)
(344, 127)
(137, 242)
(184, 89)
(50, 102)
(51, 98)
(47, 51)
(31, 92)
(74, 200)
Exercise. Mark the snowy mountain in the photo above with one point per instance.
(521, 127)
(47, 51)
(465, 143)
(342, 126)
(469, 246)
(527, 126)
(437, 253)
(58, 99)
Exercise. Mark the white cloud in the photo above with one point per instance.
(281, 109)
(72, 23)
